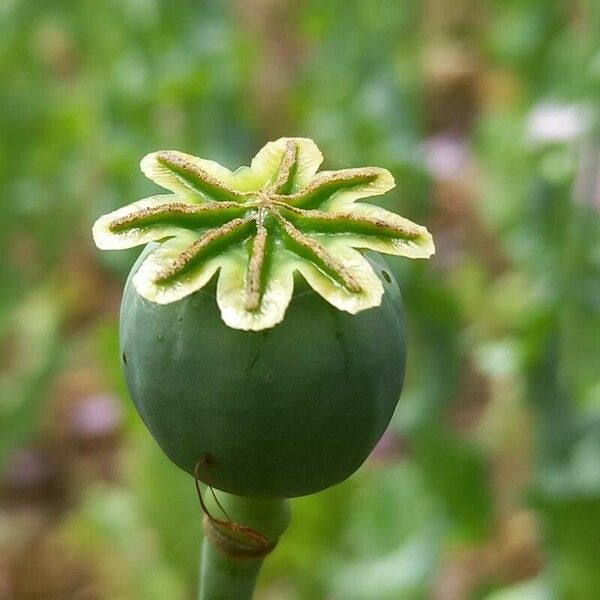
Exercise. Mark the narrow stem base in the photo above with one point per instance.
(224, 574)
(223, 577)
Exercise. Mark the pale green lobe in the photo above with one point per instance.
(106, 238)
(157, 218)
(334, 190)
(265, 165)
(147, 278)
(368, 227)
(274, 300)
(374, 228)
(356, 264)
(255, 227)
(192, 178)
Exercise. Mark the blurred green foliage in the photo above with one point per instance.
(488, 483)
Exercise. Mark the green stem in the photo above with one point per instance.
(225, 574)
(226, 578)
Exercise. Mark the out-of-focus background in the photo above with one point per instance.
(487, 484)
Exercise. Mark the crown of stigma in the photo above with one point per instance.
(257, 226)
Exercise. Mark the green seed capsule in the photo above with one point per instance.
(281, 412)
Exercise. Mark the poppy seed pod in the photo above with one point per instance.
(282, 412)
(262, 335)
(257, 338)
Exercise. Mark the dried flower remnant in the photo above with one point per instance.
(259, 225)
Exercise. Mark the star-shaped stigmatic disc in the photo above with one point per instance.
(257, 226)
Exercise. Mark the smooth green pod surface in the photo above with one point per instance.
(282, 412)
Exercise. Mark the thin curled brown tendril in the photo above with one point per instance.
(251, 534)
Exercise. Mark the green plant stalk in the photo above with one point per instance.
(231, 561)
(223, 577)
